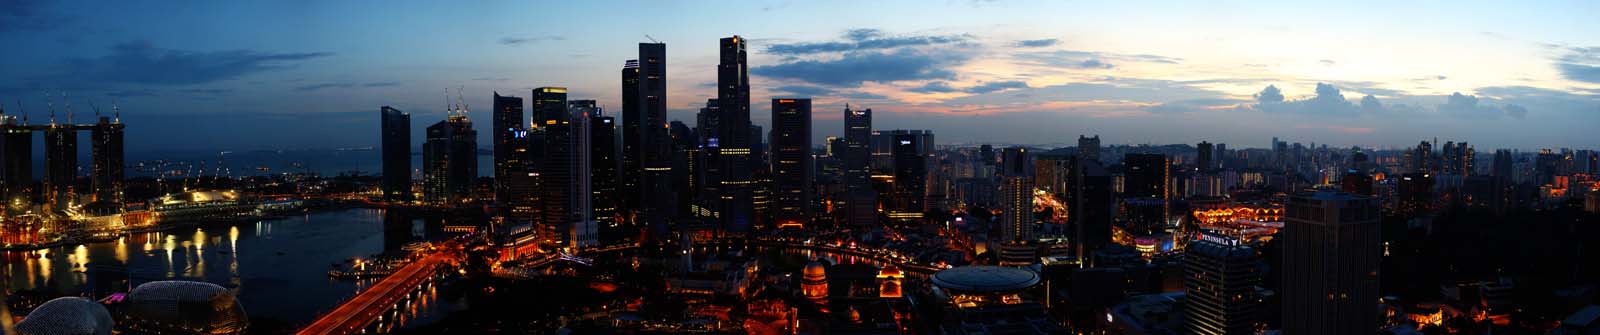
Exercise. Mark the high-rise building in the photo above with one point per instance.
(510, 166)
(861, 202)
(655, 141)
(16, 162)
(910, 176)
(1220, 281)
(1050, 173)
(1145, 189)
(632, 117)
(603, 168)
(1331, 253)
(792, 167)
(1016, 193)
(60, 165)
(396, 134)
(730, 148)
(107, 156)
(557, 168)
(1089, 148)
(1205, 157)
(1092, 205)
(450, 159)
(581, 228)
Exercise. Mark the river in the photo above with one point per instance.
(277, 268)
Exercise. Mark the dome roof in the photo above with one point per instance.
(193, 306)
(985, 279)
(67, 315)
(890, 271)
(815, 269)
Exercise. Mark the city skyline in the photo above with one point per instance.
(1177, 74)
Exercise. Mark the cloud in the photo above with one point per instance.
(854, 68)
(1090, 59)
(207, 91)
(520, 40)
(1141, 91)
(864, 39)
(316, 87)
(131, 93)
(142, 63)
(1466, 106)
(491, 79)
(1580, 64)
(1195, 105)
(1340, 129)
(995, 86)
(1328, 101)
(1039, 43)
(1327, 62)
(806, 90)
(381, 84)
(935, 87)
(29, 15)
(1271, 94)
(864, 96)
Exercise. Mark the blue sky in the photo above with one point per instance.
(192, 75)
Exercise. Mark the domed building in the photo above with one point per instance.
(814, 282)
(183, 307)
(67, 315)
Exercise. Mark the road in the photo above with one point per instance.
(355, 314)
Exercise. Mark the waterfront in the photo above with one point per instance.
(277, 268)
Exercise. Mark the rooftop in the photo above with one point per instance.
(985, 279)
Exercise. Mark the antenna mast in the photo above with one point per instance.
(652, 39)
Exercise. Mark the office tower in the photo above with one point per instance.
(729, 149)
(1050, 173)
(508, 163)
(792, 167)
(707, 180)
(1016, 192)
(1416, 193)
(986, 155)
(861, 202)
(16, 162)
(1220, 281)
(1145, 190)
(1421, 158)
(657, 202)
(760, 179)
(558, 165)
(632, 117)
(685, 150)
(1356, 182)
(60, 165)
(107, 159)
(1330, 262)
(1092, 205)
(1089, 148)
(581, 227)
(396, 134)
(603, 168)
(450, 159)
(1204, 160)
(910, 176)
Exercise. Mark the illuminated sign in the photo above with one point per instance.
(1223, 240)
(905, 142)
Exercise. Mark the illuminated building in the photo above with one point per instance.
(60, 164)
(1017, 197)
(792, 167)
(654, 148)
(909, 152)
(581, 228)
(16, 161)
(396, 184)
(1092, 205)
(106, 154)
(182, 307)
(511, 156)
(1145, 190)
(729, 150)
(450, 159)
(814, 283)
(1416, 193)
(603, 168)
(1220, 283)
(990, 300)
(1331, 252)
(628, 183)
(861, 203)
(889, 280)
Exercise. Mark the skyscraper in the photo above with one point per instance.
(1016, 192)
(910, 176)
(396, 134)
(557, 168)
(60, 164)
(732, 142)
(450, 159)
(792, 167)
(107, 159)
(510, 166)
(1220, 281)
(1093, 205)
(582, 229)
(1145, 189)
(1330, 264)
(632, 116)
(1089, 148)
(603, 168)
(861, 203)
(1204, 160)
(16, 161)
(656, 202)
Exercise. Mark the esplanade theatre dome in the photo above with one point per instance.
(188, 306)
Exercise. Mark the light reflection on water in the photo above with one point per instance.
(278, 268)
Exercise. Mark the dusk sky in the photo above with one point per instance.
(193, 75)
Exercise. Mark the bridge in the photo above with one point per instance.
(354, 315)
